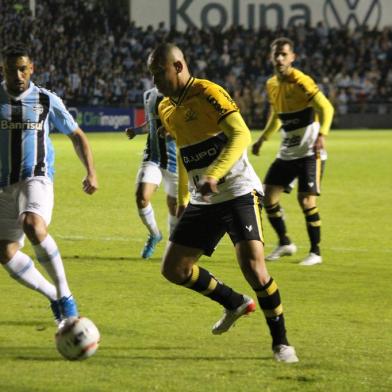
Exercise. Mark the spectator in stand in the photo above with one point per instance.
(108, 42)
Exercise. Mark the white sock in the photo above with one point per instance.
(172, 222)
(23, 270)
(49, 256)
(148, 218)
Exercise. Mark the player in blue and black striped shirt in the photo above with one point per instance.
(27, 114)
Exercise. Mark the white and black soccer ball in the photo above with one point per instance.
(77, 339)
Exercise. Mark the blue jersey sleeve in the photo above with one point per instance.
(60, 117)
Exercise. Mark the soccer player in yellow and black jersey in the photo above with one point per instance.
(304, 115)
(218, 193)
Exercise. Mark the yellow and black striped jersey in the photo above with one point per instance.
(194, 121)
(292, 94)
(291, 100)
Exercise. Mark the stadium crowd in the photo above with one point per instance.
(98, 57)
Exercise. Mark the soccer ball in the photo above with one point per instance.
(77, 339)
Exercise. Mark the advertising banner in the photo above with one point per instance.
(102, 119)
(255, 14)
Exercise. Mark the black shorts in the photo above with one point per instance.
(202, 226)
(308, 170)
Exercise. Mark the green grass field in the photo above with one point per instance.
(156, 336)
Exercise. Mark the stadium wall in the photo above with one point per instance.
(183, 14)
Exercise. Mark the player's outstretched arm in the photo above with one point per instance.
(83, 151)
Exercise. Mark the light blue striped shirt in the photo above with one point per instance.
(25, 122)
(161, 151)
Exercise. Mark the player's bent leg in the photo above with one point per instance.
(250, 256)
(34, 227)
(179, 267)
(178, 261)
(172, 207)
(144, 192)
(313, 226)
(230, 316)
(21, 268)
(48, 255)
(275, 216)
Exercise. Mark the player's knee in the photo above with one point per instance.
(34, 227)
(168, 273)
(142, 200)
(306, 202)
(272, 194)
(255, 270)
(142, 203)
(267, 200)
(7, 251)
(174, 273)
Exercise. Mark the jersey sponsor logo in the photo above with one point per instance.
(38, 108)
(211, 152)
(217, 106)
(201, 155)
(295, 120)
(290, 122)
(291, 141)
(22, 126)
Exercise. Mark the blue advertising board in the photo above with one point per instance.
(106, 119)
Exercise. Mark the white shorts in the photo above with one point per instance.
(34, 194)
(151, 173)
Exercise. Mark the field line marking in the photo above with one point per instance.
(87, 238)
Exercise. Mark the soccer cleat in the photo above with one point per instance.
(230, 316)
(283, 353)
(149, 246)
(281, 250)
(55, 306)
(68, 307)
(312, 259)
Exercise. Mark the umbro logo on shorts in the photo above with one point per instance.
(310, 184)
(249, 228)
(33, 205)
